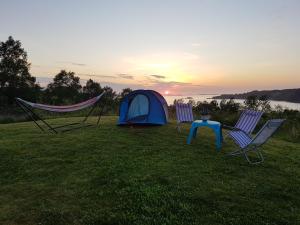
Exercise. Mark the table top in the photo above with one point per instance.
(209, 122)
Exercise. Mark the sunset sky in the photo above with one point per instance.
(181, 47)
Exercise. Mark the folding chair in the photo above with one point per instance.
(247, 144)
(245, 125)
(184, 114)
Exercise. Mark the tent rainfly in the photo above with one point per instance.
(144, 107)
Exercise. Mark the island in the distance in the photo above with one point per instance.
(288, 95)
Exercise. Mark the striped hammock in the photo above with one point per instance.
(62, 109)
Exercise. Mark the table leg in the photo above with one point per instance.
(218, 138)
(221, 133)
(195, 132)
(191, 134)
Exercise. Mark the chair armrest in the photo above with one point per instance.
(230, 127)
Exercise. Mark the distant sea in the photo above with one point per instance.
(170, 99)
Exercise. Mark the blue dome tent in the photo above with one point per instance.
(144, 107)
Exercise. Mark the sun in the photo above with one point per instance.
(167, 92)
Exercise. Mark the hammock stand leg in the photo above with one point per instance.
(89, 113)
(100, 114)
(70, 124)
(28, 113)
(35, 118)
(82, 122)
(75, 128)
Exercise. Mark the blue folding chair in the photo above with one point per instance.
(247, 144)
(245, 125)
(184, 114)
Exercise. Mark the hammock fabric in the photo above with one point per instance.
(39, 122)
(69, 108)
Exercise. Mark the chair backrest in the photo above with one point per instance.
(184, 112)
(248, 120)
(267, 131)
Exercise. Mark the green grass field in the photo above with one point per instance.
(149, 175)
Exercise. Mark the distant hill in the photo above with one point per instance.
(288, 95)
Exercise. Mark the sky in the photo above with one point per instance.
(177, 47)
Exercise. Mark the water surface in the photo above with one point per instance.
(170, 99)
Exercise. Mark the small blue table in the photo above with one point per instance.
(216, 126)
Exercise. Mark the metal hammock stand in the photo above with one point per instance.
(41, 123)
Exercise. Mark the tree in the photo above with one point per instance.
(251, 102)
(125, 92)
(110, 95)
(65, 88)
(15, 79)
(109, 99)
(192, 102)
(92, 89)
(176, 101)
(264, 103)
(122, 94)
(214, 106)
(229, 106)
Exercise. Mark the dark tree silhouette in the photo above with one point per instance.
(125, 92)
(251, 102)
(65, 88)
(110, 94)
(15, 79)
(92, 89)
(229, 105)
(110, 99)
(264, 103)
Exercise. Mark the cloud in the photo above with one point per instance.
(158, 76)
(177, 83)
(126, 76)
(147, 82)
(177, 87)
(120, 86)
(78, 64)
(122, 75)
(97, 75)
(196, 44)
(201, 44)
(72, 63)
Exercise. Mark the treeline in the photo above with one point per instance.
(66, 88)
(230, 105)
(228, 111)
(289, 95)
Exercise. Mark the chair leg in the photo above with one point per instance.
(178, 127)
(225, 136)
(236, 152)
(244, 152)
(260, 157)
